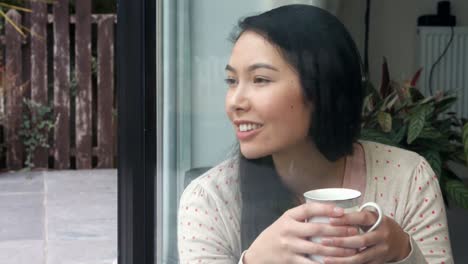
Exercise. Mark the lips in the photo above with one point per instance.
(247, 135)
(246, 129)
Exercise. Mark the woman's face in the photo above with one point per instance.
(264, 99)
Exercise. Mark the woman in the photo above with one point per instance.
(295, 100)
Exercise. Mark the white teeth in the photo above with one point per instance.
(248, 127)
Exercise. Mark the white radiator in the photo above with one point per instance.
(451, 73)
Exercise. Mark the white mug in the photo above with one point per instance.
(341, 197)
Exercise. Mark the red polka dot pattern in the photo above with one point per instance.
(421, 217)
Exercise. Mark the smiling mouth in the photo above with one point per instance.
(248, 127)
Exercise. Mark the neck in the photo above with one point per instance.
(303, 168)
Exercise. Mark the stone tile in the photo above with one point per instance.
(79, 216)
(22, 182)
(96, 181)
(80, 213)
(82, 206)
(22, 252)
(101, 229)
(82, 252)
(22, 217)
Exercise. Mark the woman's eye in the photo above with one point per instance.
(261, 80)
(230, 81)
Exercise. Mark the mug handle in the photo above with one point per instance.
(379, 211)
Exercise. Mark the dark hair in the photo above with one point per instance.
(318, 46)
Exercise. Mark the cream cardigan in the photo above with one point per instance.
(400, 181)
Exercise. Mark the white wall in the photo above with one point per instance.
(393, 31)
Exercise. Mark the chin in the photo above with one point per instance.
(253, 153)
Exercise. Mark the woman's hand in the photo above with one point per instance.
(387, 243)
(286, 240)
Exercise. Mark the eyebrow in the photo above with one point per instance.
(253, 67)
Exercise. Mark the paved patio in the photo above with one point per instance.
(63, 217)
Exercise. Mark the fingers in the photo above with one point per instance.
(305, 230)
(364, 218)
(307, 210)
(356, 242)
(371, 255)
(297, 259)
(303, 246)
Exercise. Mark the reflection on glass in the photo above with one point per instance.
(293, 101)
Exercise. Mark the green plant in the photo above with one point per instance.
(400, 115)
(37, 122)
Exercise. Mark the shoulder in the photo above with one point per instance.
(220, 183)
(386, 157)
(222, 177)
(392, 166)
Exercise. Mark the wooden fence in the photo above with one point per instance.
(84, 135)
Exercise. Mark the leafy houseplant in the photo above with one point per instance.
(400, 115)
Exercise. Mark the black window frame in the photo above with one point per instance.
(136, 95)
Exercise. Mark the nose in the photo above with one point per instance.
(238, 100)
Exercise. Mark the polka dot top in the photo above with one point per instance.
(400, 181)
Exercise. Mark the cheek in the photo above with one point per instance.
(296, 116)
(290, 117)
(299, 116)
